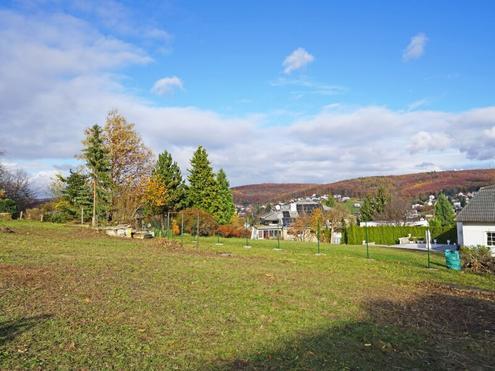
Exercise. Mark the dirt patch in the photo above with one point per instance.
(17, 276)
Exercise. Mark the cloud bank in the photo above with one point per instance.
(58, 76)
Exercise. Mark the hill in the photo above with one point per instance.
(408, 185)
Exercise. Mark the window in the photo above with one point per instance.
(490, 238)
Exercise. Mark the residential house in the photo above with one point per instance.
(476, 221)
(276, 222)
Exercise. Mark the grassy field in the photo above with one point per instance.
(73, 298)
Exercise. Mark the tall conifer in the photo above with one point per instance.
(97, 160)
(226, 208)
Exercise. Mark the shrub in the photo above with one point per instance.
(7, 206)
(232, 230)
(478, 259)
(55, 217)
(207, 224)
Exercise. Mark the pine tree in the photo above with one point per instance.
(444, 212)
(168, 173)
(367, 209)
(95, 153)
(226, 207)
(76, 193)
(202, 191)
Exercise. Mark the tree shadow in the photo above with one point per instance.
(10, 329)
(442, 328)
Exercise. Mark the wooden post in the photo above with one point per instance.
(82, 215)
(93, 221)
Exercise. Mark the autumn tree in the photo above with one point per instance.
(225, 201)
(167, 172)
(130, 164)
(155, 195)
(300, 226)
(96, 156)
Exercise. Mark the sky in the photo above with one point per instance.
(278, 91)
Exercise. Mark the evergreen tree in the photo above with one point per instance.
(367, 209)
(76, 194)
(444, 212)
(226, 207)
(96, 155)
(168, 173)
(202, 191)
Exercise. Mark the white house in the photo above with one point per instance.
(476, 221)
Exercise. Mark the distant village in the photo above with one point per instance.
(273, 220)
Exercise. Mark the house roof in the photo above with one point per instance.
(481, 208)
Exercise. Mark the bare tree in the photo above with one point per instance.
(395, 210)
(17, 187)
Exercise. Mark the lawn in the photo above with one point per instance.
(73, 298)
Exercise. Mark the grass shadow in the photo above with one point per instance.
(10, 329)
(443, 328)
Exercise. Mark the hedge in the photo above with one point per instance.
(389, 235)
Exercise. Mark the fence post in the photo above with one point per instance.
(428, 244)
(182, 229)
(367, 247)
(318, 236)
(197, 231)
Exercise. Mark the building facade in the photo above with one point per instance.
(476, 221)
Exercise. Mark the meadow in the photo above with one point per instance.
(74, 298)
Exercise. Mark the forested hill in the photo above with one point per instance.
(408, 185)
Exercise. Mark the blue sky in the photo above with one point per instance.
(276, 91)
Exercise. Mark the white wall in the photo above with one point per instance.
(474, 234)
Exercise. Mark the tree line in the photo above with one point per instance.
(121, 179)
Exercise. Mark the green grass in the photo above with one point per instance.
(72, 298)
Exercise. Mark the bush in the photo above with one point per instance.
(55, 217)
(231, 230)
(8, 206)
(207, 224)
(478, 259)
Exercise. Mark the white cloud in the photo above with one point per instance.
(297, 59)
(416, 47)
(167, 85)
(427, 141)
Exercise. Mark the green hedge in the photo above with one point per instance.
(389, 235)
